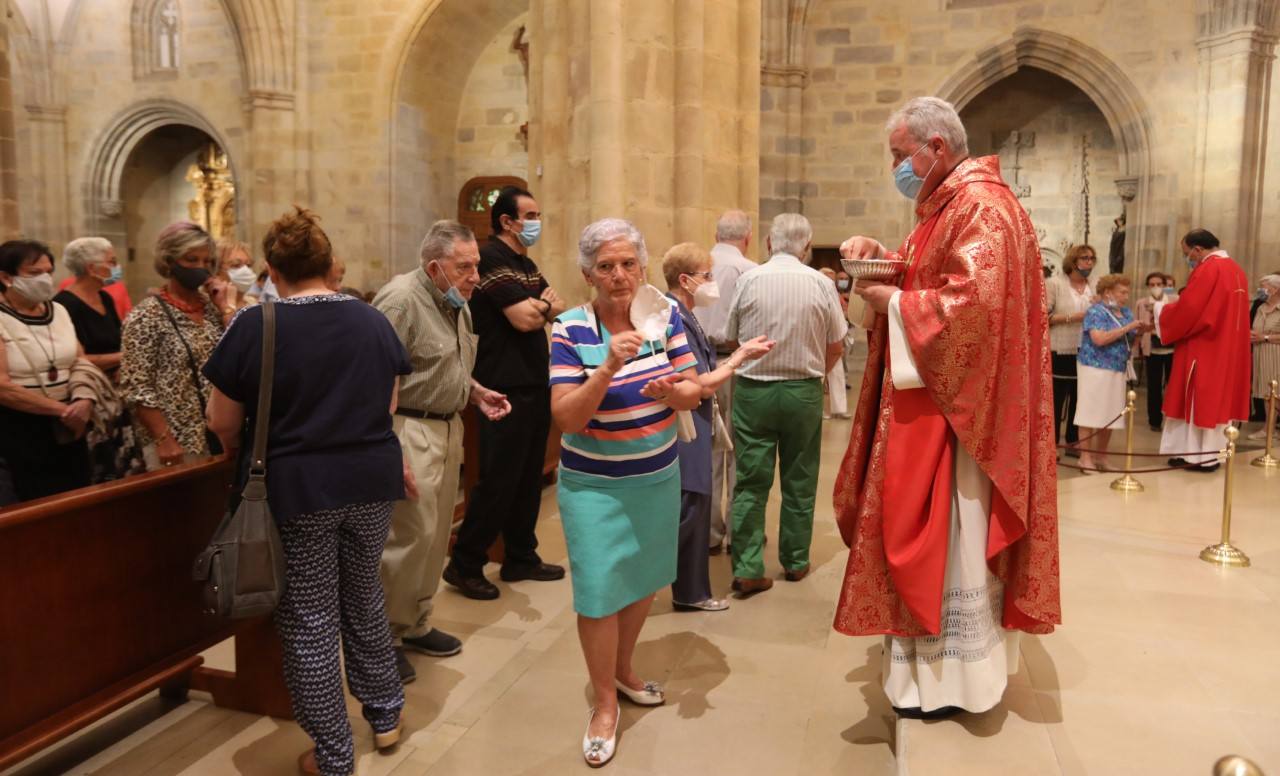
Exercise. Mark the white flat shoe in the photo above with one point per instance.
(650, 695)
(598, 751)
(709, 605)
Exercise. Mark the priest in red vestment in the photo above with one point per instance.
(1208, 327)
(947, 496)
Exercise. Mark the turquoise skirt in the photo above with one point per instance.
(622, 536)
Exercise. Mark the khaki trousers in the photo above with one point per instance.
(413, 558)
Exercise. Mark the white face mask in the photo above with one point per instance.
(1156, 291)
(706, 294)
(243, 277)
(38, 288)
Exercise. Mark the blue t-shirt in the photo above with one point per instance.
(330, 442)
(1115, 356)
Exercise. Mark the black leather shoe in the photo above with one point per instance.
(404, 667)
(541, 572)
(435, 643)
(915, 712)
(478, 588)
(1177, 461)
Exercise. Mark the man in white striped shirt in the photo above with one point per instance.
(777, 409)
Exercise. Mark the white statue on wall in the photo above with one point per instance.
(166, 35)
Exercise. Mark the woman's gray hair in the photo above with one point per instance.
(440, 239)
(605, 231)
(83, 252)
(1270, 280)
(177, 240)
(790, 233)
(925, 117)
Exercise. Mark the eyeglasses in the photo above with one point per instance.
(703, 275)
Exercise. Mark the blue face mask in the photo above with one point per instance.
(116, 275)
(1085, 271)
(453, 297)
(905, 178)
(530, 233)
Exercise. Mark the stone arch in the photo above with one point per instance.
(103, 199)
(1098, 77)
(444, 38)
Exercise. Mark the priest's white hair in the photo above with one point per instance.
(605, 231)
(925, 117)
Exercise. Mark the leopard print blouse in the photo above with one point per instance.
(155, 371)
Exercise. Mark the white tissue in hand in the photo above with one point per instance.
(650, 313)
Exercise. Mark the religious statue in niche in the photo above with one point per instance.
(1116, 254)
(1014, 144)
(165, 30)
(214, 204)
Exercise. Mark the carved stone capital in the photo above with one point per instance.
(111, 208)
(52, 114)
(1127, 188)
(261, 99)
(784, 75)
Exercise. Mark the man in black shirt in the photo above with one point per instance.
(510, 308)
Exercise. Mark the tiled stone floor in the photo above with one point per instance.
(1164, 664)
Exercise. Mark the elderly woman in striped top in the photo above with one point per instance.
(615, 396)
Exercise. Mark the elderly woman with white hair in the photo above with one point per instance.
(92, 261)
(614, 392)
(1265, 336)
(165, 342)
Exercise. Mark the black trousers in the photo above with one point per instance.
(1158, 367)
(1064, 397)
(508, 494)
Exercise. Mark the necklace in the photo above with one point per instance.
(190, 308)
(52, 353)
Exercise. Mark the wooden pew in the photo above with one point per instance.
(97, 608)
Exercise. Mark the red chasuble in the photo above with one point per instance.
(1208, 328)
(973, 307)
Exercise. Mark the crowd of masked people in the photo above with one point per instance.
(1102, 334)
(674, 407)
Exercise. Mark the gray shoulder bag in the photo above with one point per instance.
(242, 569)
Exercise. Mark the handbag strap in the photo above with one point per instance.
(258, 463)
(191, 357)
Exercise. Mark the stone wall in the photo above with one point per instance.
(495, 104)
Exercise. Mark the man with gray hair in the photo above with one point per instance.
(777, 403)
(428, 309)
(947, 496)
(728, 263)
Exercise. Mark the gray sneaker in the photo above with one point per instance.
(404, 667)
(435, 643)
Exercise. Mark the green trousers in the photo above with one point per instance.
(783, 421)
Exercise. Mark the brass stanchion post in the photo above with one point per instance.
(1128, 483)
(1268, 459)
(1224, 553)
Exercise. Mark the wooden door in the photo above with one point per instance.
(476, 200)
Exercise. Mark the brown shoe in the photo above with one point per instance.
(387, 740)
(749, 587)
(797, 574)
(307, 763)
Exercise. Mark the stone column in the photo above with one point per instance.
(783, 78)
(10, 223)
(48, 209)
(645, 110)
(273, 183)
(1237, 44)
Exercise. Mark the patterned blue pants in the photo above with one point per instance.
(332, 588)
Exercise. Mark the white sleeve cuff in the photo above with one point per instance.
(1155, 315)
(902, 364)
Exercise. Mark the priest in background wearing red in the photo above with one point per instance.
(1208, 327)
(947, 496)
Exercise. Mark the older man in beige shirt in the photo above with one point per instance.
(428, 309)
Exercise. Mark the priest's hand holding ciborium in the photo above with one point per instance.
(877, 273)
